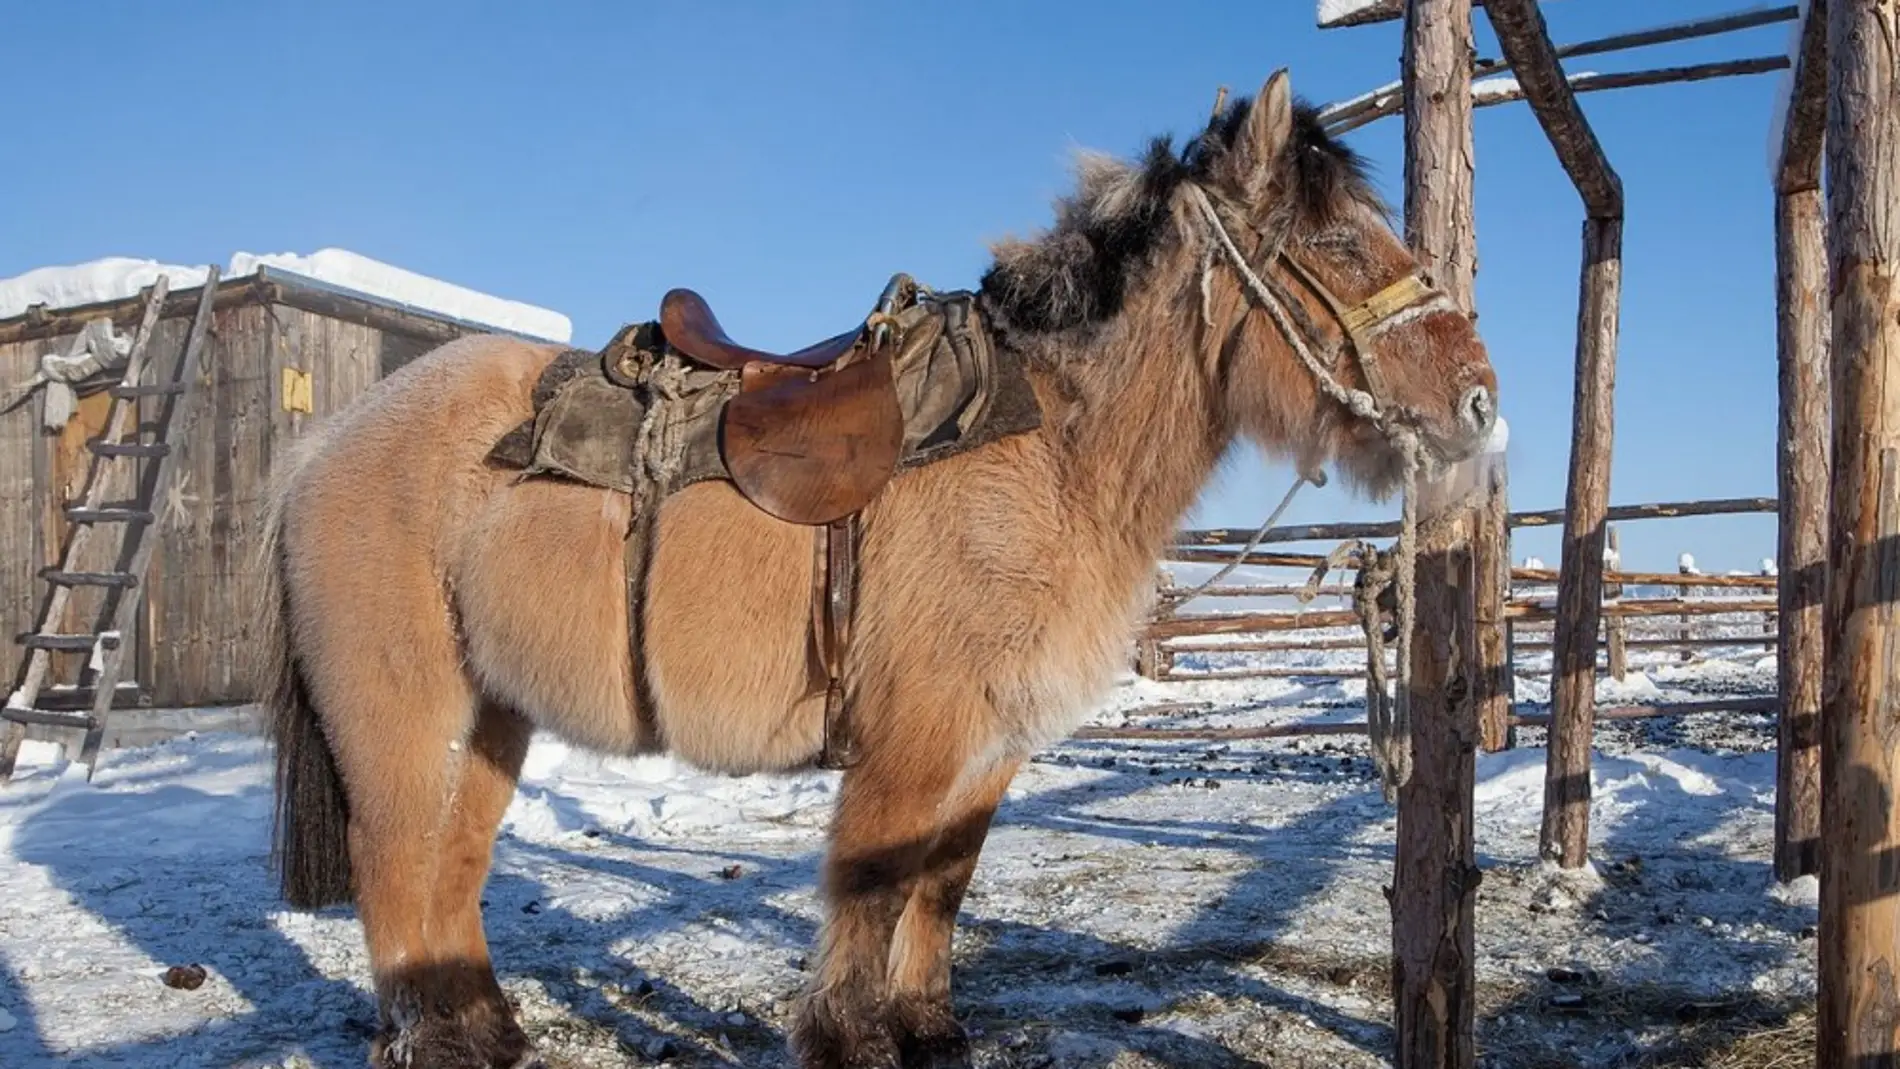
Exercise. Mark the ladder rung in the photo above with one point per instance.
(43, 718)
(147, 389)
(127, 694)
(109, 515)
(128, 449)
(119, 579)
(73, 643)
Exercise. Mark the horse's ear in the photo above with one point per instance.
(1270, 123)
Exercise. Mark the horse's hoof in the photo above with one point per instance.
(434, 1043)
(937, 1052)
(830, 1034)
(510, 1049)
(427, 1044)
(929, 1036)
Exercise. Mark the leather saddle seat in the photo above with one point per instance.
(812, 436)
(690, 326)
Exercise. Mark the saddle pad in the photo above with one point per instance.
(585, 424)
(955, 390)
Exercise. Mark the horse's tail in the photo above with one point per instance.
(310, 836)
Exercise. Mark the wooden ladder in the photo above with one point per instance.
(112, 469)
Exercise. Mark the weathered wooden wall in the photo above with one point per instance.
(196, 620)
(19, 546)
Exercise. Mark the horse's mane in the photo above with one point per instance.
(1106, 233)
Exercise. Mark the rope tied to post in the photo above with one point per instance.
(1388, 576)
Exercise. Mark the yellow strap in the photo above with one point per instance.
(1383, 304)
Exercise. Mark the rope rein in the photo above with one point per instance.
(1388, 715)
(1167, 611)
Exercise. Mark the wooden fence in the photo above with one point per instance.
(1648, 618)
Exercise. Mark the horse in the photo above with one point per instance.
(426, 613)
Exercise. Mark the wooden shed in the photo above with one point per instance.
(193, 633)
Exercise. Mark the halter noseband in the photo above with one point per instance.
(1362, 321)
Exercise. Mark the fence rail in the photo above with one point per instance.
(1682, 615)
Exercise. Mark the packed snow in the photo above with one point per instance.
(1139, 904)
(343, 268)
(106, 279)
(117, 277)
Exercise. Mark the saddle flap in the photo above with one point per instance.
(812, 447)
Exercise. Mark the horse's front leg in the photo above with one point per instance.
(883, 831)
(922, 1017)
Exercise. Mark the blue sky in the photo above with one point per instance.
(785, 159)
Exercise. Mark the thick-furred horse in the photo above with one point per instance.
(428, 610)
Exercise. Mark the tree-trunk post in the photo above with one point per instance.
(1858, 972)
(1769, 618)
(1616, 626)
(1435, 873)
(1148, 662)
(1565, 834)
(1495, 689)
(1802, 451)
(1686, 566)
(1148, 652)
(1526, 44)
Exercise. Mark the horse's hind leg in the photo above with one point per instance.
(402, 748)
(921, 1015)
(464, 981)
(883, 829)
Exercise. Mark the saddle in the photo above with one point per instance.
(810, 437)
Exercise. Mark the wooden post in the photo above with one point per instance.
(1435, 872)
(1565, 833)
(1614, 624)
(1525, 41)
(1494, 689)
(1768, 623)
(1148, 659)
(1801, 345)
(1686, 566)
(1147, 647)
(1858, 972)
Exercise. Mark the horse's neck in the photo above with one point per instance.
(1141, 449)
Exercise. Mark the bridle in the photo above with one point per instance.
(1359, 322)
(1388, 720)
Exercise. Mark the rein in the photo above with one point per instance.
(1389, 720)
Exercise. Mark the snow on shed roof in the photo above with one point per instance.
(118, 277)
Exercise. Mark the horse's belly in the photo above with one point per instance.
(542, 607)
(728, 620)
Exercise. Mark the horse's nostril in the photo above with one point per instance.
(1477, 409)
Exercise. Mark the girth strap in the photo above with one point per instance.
(834, 593)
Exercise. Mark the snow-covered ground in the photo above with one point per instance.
(115, 277)
(1138, 904)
